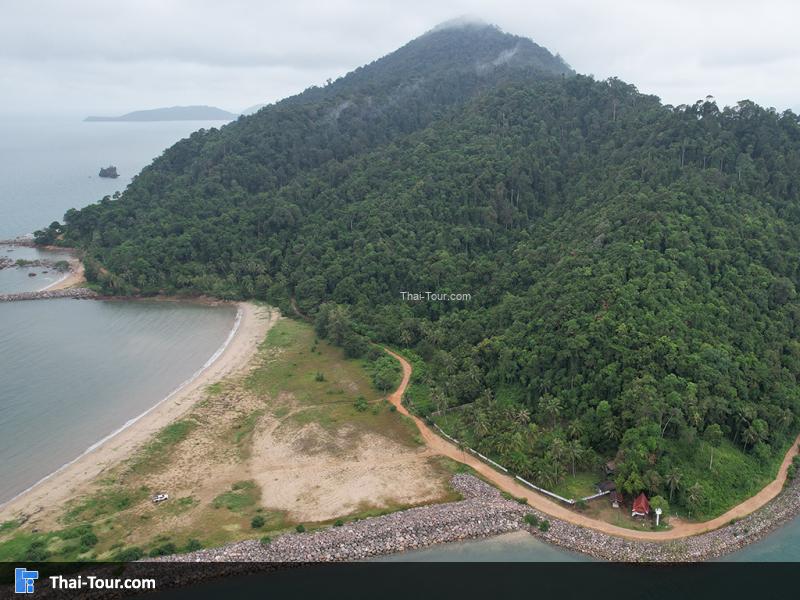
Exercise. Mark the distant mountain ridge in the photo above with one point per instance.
(172, 113)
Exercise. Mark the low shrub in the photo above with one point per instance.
(300, 528)
(544, 525)
(88, 541)
(266, 540)
(257, 522)
(37, 552)
(338, 523)
(163, 550)
(531, 519)
(128, 554)
(193, 545)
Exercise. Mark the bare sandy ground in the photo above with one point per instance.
(75, 277)
(255, 321)
(680, 529)
(315, 474)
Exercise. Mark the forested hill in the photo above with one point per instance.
(632, 266)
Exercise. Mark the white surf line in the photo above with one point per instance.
(63, 277)
(130, 422)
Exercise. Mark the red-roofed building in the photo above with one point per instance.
(641, 507)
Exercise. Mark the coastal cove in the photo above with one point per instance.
(75, 372)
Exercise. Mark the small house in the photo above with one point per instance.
(641, 507)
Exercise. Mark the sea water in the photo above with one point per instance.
(74, 371)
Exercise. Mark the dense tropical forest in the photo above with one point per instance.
(631, 266)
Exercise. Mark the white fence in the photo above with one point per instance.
(541, 490)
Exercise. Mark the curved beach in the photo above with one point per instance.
(252, 324)
(74, 277)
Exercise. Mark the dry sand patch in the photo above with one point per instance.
(316, 474)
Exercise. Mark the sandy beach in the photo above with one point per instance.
(75, 277)
(254, 322)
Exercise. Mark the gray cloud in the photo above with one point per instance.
(98, 56)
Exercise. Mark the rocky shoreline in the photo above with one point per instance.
(483, 512)
(76, 293)
(705, 546)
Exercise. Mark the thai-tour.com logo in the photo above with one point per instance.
(23, 580)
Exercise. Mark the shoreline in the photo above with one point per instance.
(482, 514)
(74, 278)
(236, 352)
(710, 545)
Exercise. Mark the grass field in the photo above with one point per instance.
(304, 413)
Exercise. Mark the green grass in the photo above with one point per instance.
(243, 432)
(454, 423)
(242, 495)
(69, 544)
(734, 476)
(418, 393)
(289, 366)
(7, 526)
(580, 486)
(156, 453)
(105, 502)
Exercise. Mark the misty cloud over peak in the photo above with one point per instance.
(98, 57)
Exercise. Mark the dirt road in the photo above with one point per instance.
(680, 529)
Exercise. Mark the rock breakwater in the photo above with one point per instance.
(705, 546)
(483, 512)
(76, 293)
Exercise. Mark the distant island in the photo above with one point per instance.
(109, 172)
(251, 110)
(173, 113)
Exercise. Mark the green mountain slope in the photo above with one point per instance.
(631, 266)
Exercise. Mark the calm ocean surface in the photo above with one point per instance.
(72, 372)
(50, 165)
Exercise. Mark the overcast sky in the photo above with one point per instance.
(110, 57)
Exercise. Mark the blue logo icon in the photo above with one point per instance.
(23, 580)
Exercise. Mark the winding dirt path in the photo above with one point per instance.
(680, 529)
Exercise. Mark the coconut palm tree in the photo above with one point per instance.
(551, 406)
(673, 481)
(574, 451)
(694, 497)
(575, 429)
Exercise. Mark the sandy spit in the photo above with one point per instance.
(254, 322)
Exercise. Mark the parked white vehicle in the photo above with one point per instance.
(160, 498)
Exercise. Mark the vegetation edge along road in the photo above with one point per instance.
(680, 529)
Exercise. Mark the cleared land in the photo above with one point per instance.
(300, 437)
